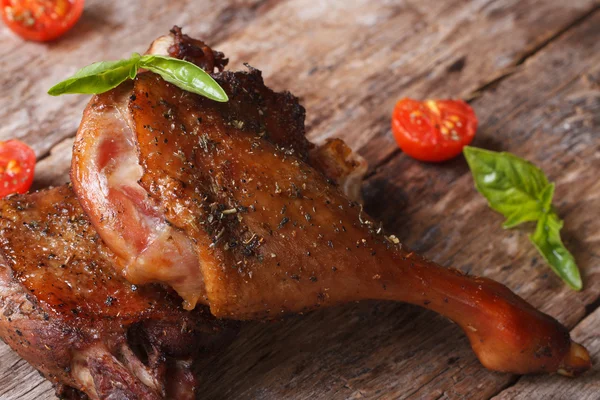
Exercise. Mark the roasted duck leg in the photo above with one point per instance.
(229, 204)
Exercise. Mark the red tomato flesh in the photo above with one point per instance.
(433, 130)
(17, 164)
(41, 20)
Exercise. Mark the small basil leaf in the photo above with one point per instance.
(184, 75)
(547, 240)
(99, 77)
(513, 186)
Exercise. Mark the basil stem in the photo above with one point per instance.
(521, 192)
(103, 76)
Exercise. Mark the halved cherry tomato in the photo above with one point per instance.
(17, 163)
(433, 130)
(40, 20)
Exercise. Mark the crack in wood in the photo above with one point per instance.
(590, 308)
(492, 83)
(576, 22)
(30, 390)
(383, 162)
(513, 381)
(55, 144)
(443, 371)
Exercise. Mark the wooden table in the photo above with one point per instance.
(531, 70)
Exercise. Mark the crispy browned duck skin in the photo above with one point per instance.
(90, 332)
(274, 236)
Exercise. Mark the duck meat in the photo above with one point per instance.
(66, 311)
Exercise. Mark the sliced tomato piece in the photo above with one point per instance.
(433, 130)
(41, 20)
(17, 164)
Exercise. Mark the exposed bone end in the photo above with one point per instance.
(178, 45)
(83, 376)
(338, 162)
(161, 45)
(576, 362)
(102, 374)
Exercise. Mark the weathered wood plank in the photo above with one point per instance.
(370, 350)
(547, 387)
(29, 386)
(379, 350)
(107, 30)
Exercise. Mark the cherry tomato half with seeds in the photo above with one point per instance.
(40, 20)
(433, 130)
(17, 164)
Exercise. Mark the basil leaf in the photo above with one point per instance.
(103, 76)
(184, 75)
(521, 192)
(547, 240)
(99, 77)
(514, 187)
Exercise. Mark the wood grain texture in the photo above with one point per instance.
(54, 169)
(29, 385)
(349, 62)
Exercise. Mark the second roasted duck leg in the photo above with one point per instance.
(66, 311)
(262, 230)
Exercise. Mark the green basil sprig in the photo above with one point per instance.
(521, 192)
(103, 76)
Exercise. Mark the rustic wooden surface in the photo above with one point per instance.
(532, 70)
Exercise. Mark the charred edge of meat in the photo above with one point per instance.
(196, 51)
(253, 107)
